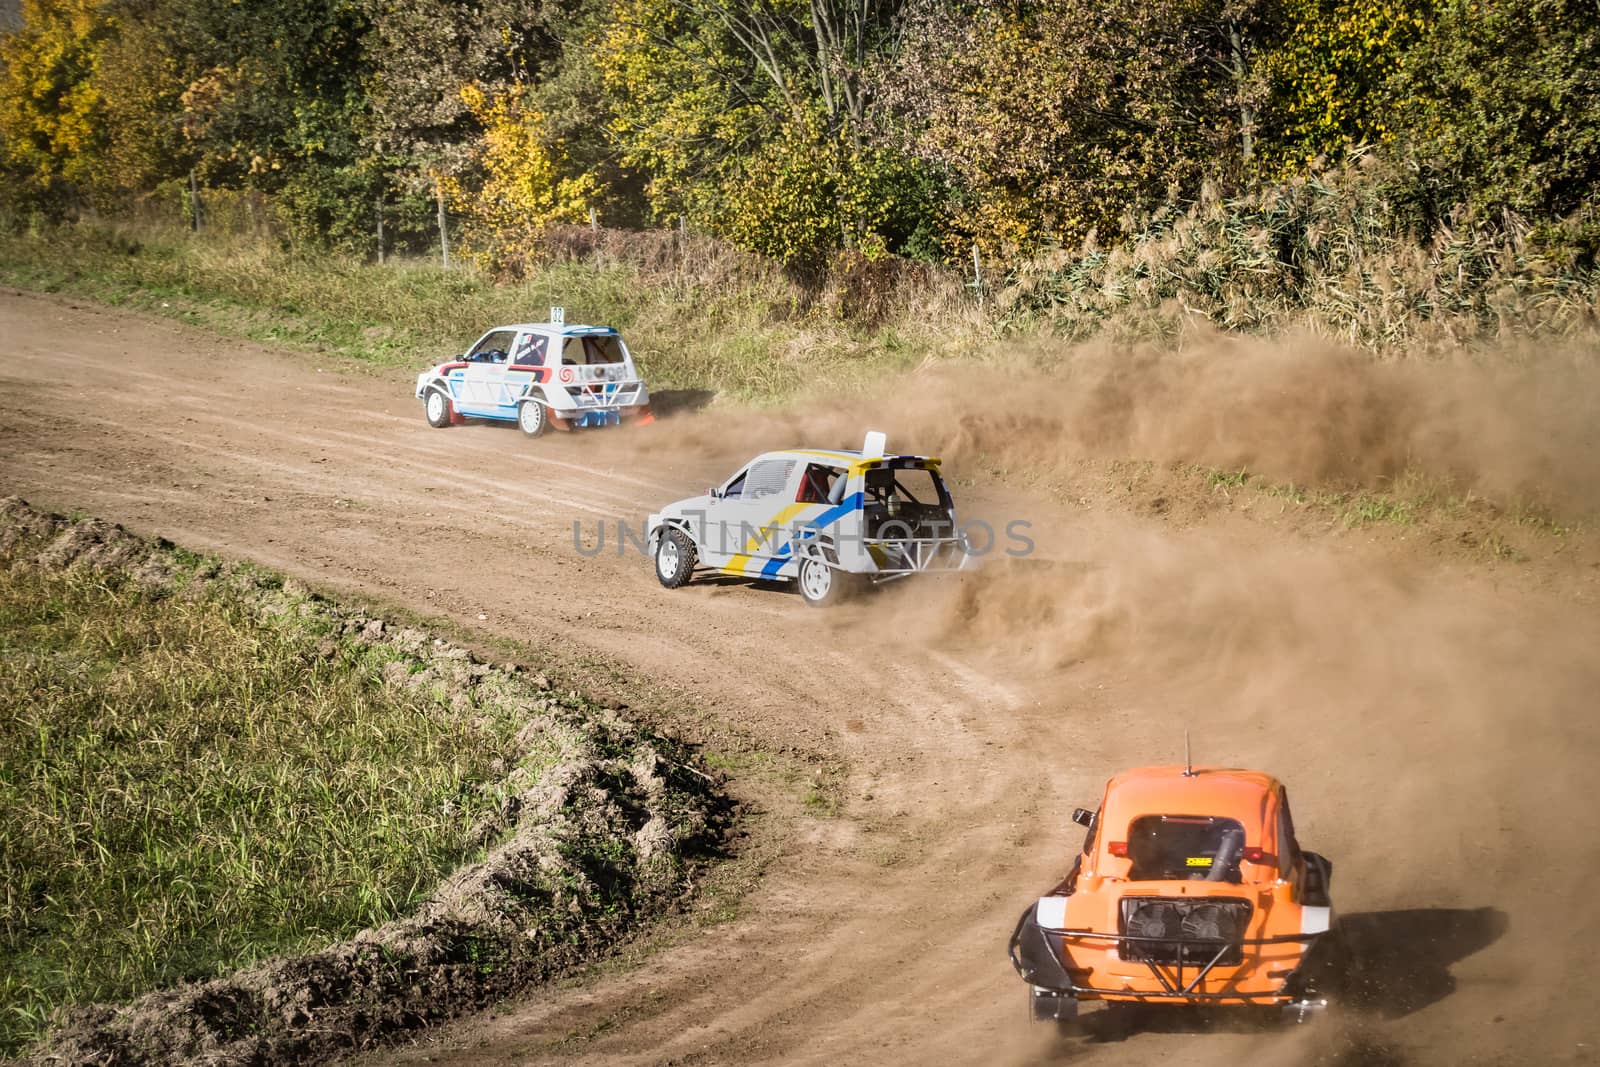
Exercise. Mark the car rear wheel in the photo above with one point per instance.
(532, 417)
(821, 583)
(675, 557)
(437, 407)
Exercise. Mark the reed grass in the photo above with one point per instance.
(1347, 253)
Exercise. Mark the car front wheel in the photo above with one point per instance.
(533, 419)
(437, 407)
(675, 557)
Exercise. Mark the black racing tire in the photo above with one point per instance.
(533, 418)
(822, 584)
(436, 407)
(675, 557)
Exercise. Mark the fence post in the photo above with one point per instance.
(444, 230)
(977, 274)
(194, 203)
(380, 229)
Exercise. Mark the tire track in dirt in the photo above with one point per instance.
(970, 722)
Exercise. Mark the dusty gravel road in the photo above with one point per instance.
(1434, 714)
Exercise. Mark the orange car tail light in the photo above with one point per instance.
(1254, 854)
(1117, 848)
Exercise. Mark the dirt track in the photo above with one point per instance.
(1432, 712)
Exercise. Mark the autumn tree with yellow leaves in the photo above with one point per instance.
(798, 129)
(52, 127)
(526, 180)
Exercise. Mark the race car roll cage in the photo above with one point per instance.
(920, 554)
(1173, 985)
(917, 555)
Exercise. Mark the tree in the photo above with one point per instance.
(141, 78)
(749, 120)
(420, 132)
(805, 193)
(50, 107)
(1502, 101)
(1331, 76)
(528, 181)
(1054, 119)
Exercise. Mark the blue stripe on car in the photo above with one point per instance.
(821, 522)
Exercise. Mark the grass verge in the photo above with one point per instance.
(744, 335)
(1412, 500)
(209, 766)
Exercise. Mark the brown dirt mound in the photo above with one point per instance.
(615, 829)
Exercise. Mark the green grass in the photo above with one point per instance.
(747, 340)
(186, 787)
(1225, 480)
(1414, 498)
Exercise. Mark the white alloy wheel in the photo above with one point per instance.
(675, 557)
(532, 418)
(817, 580)
(437, 408)
(667, 558)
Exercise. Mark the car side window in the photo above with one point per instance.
(735, 488)
(493, 348)
(816, 485)
(769, 477)
(531, 350)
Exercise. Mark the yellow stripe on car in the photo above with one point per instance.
(769, 529)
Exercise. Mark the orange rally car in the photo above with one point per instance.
(1190, 889)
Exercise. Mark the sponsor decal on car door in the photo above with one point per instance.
(758, 522)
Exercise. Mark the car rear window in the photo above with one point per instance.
(908, 485)
(583, 351)
(1183, 847)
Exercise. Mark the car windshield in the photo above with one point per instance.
(493, 348)
(1185, 848)
(606, 348)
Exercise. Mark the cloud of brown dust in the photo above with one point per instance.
(1518, 426)
(1437, 729)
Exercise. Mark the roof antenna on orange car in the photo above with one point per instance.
(1188, 764)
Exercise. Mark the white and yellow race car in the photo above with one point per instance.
(825, 519)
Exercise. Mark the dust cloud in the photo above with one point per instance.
(1436, 724)
(1437, 734)
(1517, 425)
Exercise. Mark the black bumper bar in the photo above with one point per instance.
(1037, 961)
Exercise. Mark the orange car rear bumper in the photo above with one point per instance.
(1091, 966)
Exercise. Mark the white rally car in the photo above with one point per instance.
(539, 375)
(827, 520)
